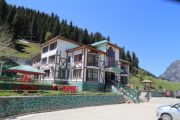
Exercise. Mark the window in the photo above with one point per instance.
(78, 58)
(111, 57)
(92, 75)
(92, 60)
(44, 60)
(62, 74)
(69, 59)
(47, 73)
(53, 46)
(45, 49)
(77, 73)
(52, 59)
(36, 60)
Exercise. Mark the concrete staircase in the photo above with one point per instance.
(131, 96)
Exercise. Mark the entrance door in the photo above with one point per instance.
(109, 77)
(124, 80)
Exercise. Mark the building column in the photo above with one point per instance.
(84, 69)
(128, 73)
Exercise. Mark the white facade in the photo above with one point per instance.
(65, 60)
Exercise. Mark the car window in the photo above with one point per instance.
(177, 105)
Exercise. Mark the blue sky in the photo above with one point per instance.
(151, 28)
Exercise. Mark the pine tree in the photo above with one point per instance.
(97, 36)
(3, 10)
(128, 56)
(135, 61)
(122, 54)
(108, 38)
(85, 37)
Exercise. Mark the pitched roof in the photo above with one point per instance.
(100, 42)
(124, 61)
(61, 38)
(27, 69)
(146, 81)
(85, 46)
(104, 42)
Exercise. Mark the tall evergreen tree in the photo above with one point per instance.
(128, 56)
(122, 54)
(3, 10)
(108, 38)
(135, 60)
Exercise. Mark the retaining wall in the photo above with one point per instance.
(19, 105)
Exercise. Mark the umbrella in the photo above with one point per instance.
(26, 69)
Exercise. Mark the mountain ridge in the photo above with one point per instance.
(172, 72)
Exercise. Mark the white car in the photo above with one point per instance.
(170, 112)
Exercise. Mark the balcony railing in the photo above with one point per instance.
(111, 63)
(124, 70)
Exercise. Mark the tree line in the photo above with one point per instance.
(132, 58)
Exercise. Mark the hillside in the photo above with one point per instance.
(23, 50)
(158, 83)
(172, 73)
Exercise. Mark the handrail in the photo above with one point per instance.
(131, 94)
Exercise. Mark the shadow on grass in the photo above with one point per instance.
(21, 47)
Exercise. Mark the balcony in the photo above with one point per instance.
(93, 60)
(111, 63)
(113, 66)
(124, 69)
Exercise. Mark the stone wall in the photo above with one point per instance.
(19, 105)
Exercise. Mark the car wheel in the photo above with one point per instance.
(166, 117)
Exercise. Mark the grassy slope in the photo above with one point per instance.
(50, 93)
(24, 50)
(157, 82)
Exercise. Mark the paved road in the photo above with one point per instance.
(143, 111)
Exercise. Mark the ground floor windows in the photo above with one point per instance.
(92, 75)
(47, 73)
(109, 77)
(77, 74)
(63, 74)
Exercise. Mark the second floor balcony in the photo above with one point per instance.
(125, 70)
(111, 63)
(93, 59)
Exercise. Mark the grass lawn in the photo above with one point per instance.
(168, 85)
(24, 50)
(49, 93)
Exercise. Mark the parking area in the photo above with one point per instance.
(143, 111)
